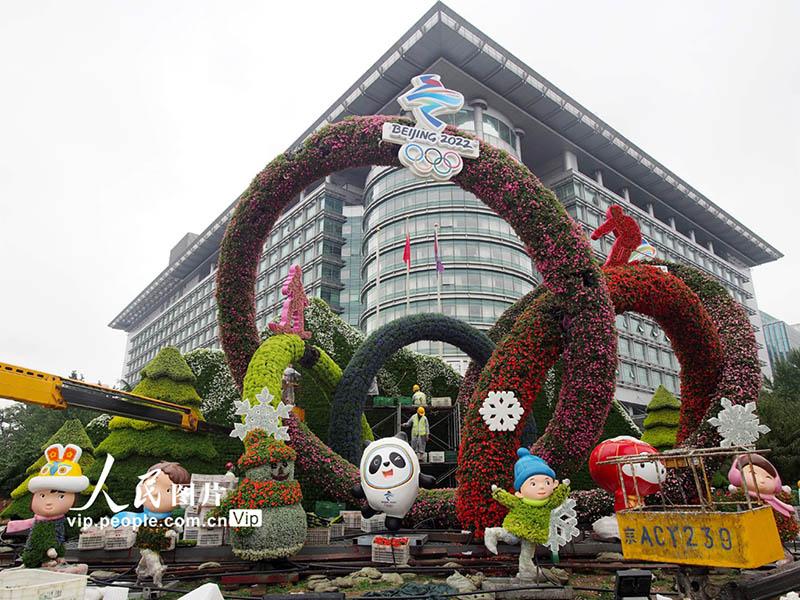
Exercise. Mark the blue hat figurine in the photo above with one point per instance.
(528, 465)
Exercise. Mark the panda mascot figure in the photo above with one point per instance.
(390, 479)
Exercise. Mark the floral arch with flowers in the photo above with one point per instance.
(711, 336)
(574, 319)
(561, 252)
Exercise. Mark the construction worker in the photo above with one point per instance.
(288, 384)
(420, 431)
(419, 398)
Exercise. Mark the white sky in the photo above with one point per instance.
(123, 125)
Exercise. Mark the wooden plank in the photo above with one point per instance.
(771, 584)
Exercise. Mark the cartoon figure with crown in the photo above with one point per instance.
(54, 490)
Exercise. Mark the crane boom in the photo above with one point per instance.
(52, 391)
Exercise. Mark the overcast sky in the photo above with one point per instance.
(123, 125)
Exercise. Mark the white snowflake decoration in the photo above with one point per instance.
(262, 416)
(791, 596)
(501, 411)
(563, 525)
(737, 424)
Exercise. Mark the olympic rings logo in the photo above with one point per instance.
(425, 161)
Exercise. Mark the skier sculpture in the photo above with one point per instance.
(292, 318)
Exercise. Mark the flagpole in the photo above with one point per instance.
(408, 277)
(377, 278)
(438, 289)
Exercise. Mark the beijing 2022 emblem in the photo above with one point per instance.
(426, 150)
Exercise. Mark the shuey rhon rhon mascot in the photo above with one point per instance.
(390, 479)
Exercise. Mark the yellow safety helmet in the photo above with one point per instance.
(421, 411)
(61, 472)
(416, 388)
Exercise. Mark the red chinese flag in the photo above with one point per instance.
(407, 251)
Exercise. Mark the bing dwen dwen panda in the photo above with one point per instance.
(390, 479)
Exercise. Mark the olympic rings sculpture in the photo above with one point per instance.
(429, 161)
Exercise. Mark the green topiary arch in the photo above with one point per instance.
(351, 393)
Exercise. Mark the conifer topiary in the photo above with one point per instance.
(661, 424)
(137, 445)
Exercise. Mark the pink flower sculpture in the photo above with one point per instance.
(293, 319)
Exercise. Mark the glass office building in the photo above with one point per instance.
(335, 228)
(486, 268)
(780, 338)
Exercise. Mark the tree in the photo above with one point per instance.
(786, 377)
(71, 432)
(136, 445)
(24, 429)
(783, 419)
(661, 424)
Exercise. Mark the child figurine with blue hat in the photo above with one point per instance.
(536, 494)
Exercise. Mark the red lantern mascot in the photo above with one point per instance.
(619, 479)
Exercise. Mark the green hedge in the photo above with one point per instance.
(137, 445)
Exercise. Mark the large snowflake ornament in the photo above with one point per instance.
(563, 525)
(262, 416)
(501, 411)
(791, 596)
(737, 424)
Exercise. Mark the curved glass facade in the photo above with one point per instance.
(486, 268)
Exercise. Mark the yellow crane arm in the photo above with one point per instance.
(52, 391)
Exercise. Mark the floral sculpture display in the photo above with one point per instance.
(520, 363)
(560, 251)
(537, 494)
(268, 485)
(158, 493)
(625, 230)
(71, 432)
(735, 353)
(573, 319)
(292, 319)
(53, 494)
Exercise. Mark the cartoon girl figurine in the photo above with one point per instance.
(762, 479)
(54, 490)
